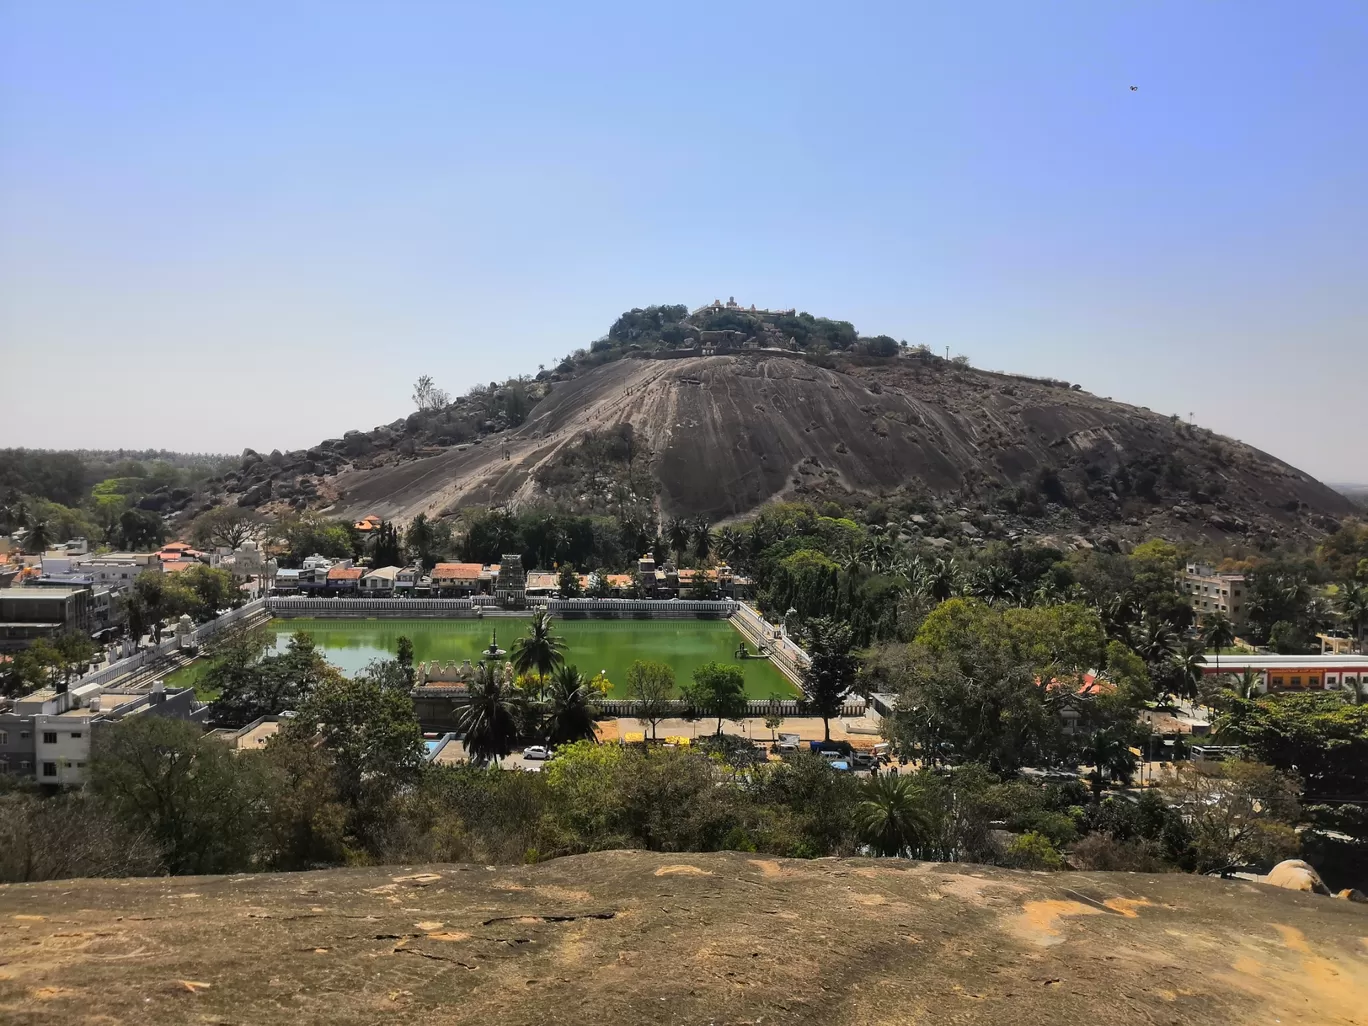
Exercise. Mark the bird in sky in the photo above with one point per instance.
(1134, 88)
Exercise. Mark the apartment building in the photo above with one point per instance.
(1209, 592)
(46, 735)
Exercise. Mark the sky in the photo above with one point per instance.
(256, 224)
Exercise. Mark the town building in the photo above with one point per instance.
(1296, 672)
(344, 580)
(1209, 592)
(457, 580)
(380, 582)
(27, 614)
(47, 735)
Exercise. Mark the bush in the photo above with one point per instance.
(1033, 851)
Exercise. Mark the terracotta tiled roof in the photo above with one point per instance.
(345, 573)
(176, 565)
(457, 572)
(619, 580)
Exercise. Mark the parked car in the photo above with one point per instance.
(864, 760)
(536, 752)
(785, 747)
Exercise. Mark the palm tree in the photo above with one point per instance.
(1247, 684)
(570, 708)
(539, 651)
(1108, 752)
(729, 545)
(943, 579)
(702, 539)
(892, 817)
(1352, 604)
(1218, 633)
(994, 583)
(1186, 670)
(489, 721)
(678, 532)
(36, 541)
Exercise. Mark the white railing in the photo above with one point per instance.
(289, 606)
(654, 607)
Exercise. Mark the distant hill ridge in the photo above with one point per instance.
(715, 412)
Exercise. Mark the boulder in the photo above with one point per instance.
(1296, 875)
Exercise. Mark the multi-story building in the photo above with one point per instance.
(1209, 592)
(379, 583)
(27, 614)
(46, 735)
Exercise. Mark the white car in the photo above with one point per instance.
(536, 752)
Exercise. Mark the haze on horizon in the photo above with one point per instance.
(242, 225)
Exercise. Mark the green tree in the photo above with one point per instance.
(599, 587)
(891, 817)
(141, 530)
(74, 651)
(538, 651)
(830, 675)
(1352, 604)
(386, 546)
(569, 583)
(1218, 633)
(702, 539)
(370, 732)
(570, 708)
(404, 656)
(718, 690)
(1239, 813)
(225, 527)
(677, 533)
(38, 538)
(489, 720)
(189, 793)
(651, 685)
(1108, 752)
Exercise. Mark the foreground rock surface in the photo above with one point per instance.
(630, 937)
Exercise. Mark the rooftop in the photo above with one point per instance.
(345, 573)
(457, 571)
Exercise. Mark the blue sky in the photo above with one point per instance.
(234, 224)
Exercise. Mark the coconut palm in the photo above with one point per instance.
(1352, 605)
(1186, 669)
(702, 539)
(1108, 752)
(729, 544)
(570, 708)
(539, 651)
(677, 533)
(1247, 684)
(38, 537)
(1218, 633)
(489, 722)
(892, 817)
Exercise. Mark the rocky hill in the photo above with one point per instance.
(719, 434)
(631, 937)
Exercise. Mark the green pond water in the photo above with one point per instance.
(592, 645)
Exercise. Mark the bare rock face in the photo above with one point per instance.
(720, 435)
(724, 434)
(641, 938)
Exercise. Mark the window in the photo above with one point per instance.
(75, 735)
(25, 765)
(49, 769)
(1295, 682)
(23, 735)
(80, 765)
(4, 737)
(1311, 682)
(1277, 682)
(49, 737)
